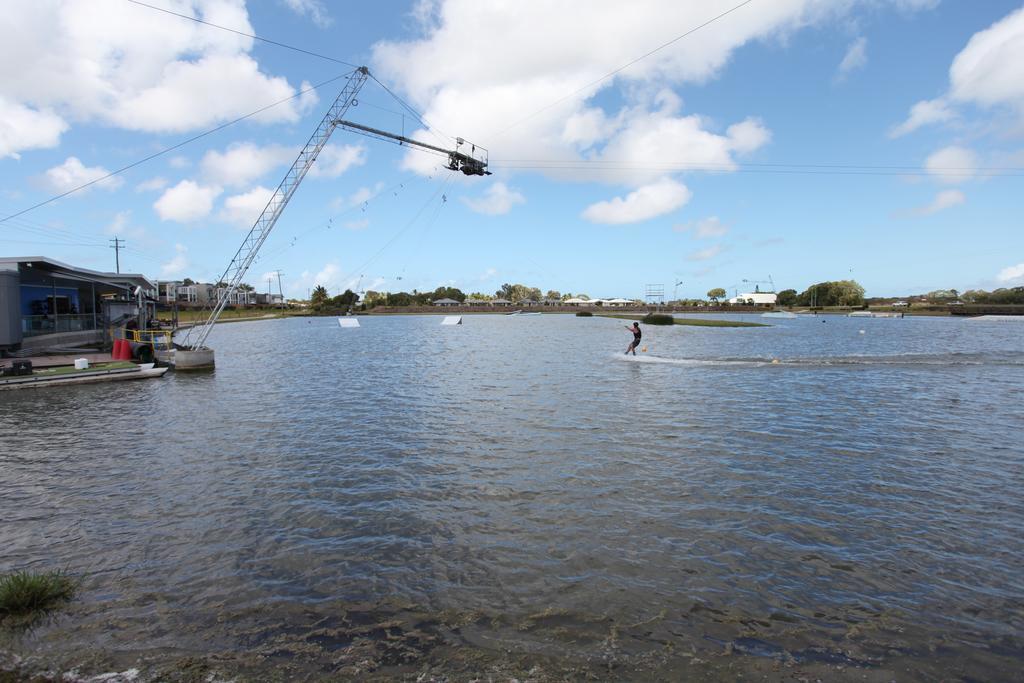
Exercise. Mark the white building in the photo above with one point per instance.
(754, 299)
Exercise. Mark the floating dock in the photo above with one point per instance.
(62, 376)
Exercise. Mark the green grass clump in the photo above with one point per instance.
(28, 593)
(658, 319)
(583, 314)
(697, 322)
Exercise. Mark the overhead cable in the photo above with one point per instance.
(171, 148)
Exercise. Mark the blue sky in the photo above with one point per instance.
(803, 140)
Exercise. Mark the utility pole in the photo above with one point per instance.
(117, 246)
(279, 290)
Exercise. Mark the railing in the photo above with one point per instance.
(158, 339)
(34, 325)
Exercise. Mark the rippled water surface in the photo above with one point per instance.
(514, 495)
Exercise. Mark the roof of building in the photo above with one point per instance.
(127, 279)
(446, 302)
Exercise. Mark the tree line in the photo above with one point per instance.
(321, 300)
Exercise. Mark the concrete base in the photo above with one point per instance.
(193, 360)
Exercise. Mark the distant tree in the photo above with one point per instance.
(372, 298)
(448, 293)
(344, 301)
(319, 297)
(716, 294)
(834, 293)
(480, 296)
(553, 294)
(567, 295)
(1011, 295)
(940, 295)
(787, 297)
(188, 281)
(517, 292)
(583, 297)
(400, 299)
(245, 287)
(975, 296)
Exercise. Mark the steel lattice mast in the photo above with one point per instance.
(246, 253)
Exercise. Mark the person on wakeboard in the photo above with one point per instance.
(636, 338)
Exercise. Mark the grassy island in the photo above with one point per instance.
(696, 322)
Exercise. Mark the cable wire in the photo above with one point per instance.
(242, 33)
(171, 148)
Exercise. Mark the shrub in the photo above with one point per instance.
(583, 314)
(658, 319)
(26, 593)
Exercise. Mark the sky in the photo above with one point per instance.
(686, 145)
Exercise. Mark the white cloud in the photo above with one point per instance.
(988, 72)
(151, 185)
(704, 228)
(922, 114)
(328, 276)
(952, 164)
(495, 101)
(186, 202)
(73, 173)
(498, 199)
(1011, 273)
(243, 209)
(242, 163)
(314, 8)
(111, 63)
(179, 162)
(747, 135)
(705, 254)
(336, 159)
(856, 57)
(943, 200)
(649, 201)
(177, 265)
(23, 128)
(121, 226)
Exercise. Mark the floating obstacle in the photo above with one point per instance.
(348, 322)
(452, 320)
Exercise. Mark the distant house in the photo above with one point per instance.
(500, 302)
(528, 302)
(446, 302)
(551, 302)
(197, 294)
(477, 302)
(900, 304)
(576, 301)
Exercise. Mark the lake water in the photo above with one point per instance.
(513, 496)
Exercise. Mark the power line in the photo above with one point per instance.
(242, 33)
(171, 148)
(286, 46)
(583, 165)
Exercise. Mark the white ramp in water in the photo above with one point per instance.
(452, 320)
(348, 322)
